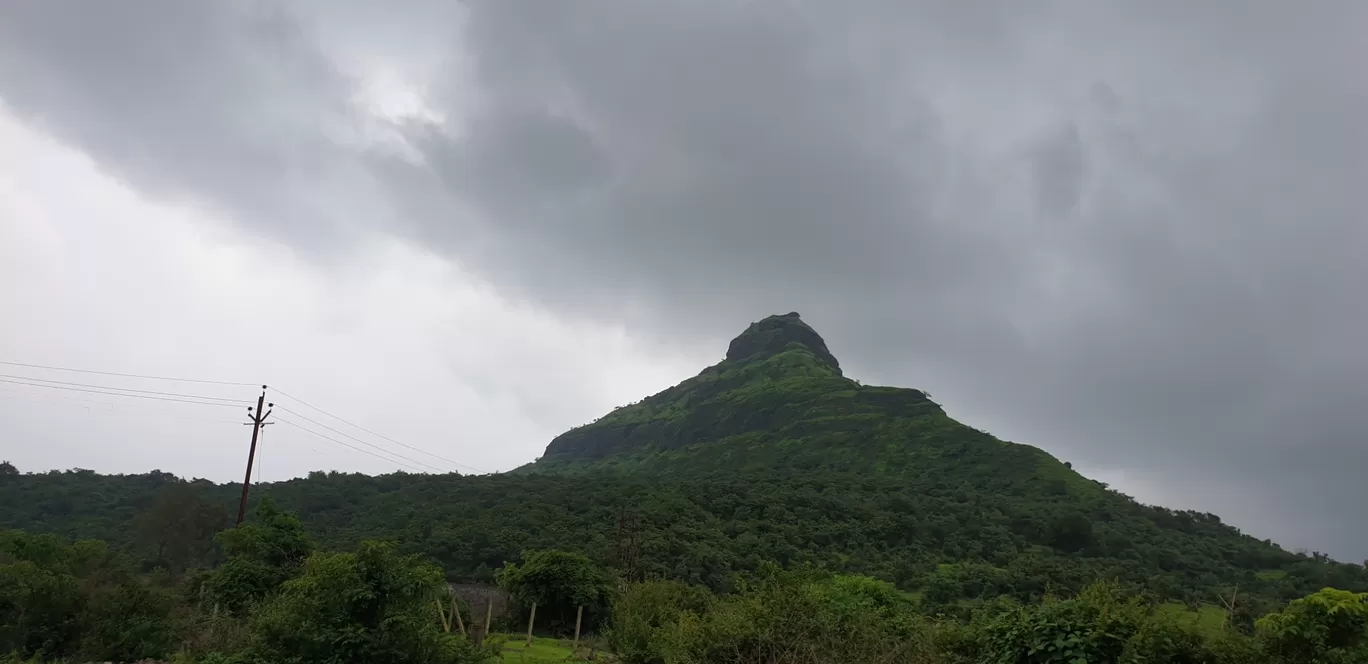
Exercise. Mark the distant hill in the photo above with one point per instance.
(769, 455)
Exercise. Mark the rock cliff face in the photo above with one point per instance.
(773, 335)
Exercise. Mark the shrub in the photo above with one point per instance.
(1327, 627)
(642, 612)
(791, 618)
(1102, 624)
(371, 606)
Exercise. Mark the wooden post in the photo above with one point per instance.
(530, 621)
(477, 633)
(489, 614)
(446, 622)
(1229, 606)
(579, 613)
(456, 611)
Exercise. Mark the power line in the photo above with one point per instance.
(128, 389)
(415, 449)
(119, 394)
(108, 405)
(330, 438)
(343, 433)
(128, 375)
(208, 401)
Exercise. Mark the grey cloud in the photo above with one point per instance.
(1058, 171)
(227, 104)
(1127, 232)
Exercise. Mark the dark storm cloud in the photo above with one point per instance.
(222, 102)
(1129, 232)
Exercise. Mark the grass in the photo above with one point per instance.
(1207, 620)
(542, 649)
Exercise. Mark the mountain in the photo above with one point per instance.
(779, 401)
(771, 454)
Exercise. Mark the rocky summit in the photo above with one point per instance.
(774, 335)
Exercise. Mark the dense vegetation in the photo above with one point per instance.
(274, 598)
(771, 457)
(948, 540)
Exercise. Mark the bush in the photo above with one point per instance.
(1330, 627)
(643, 611)
(1102, 624)
(371, 606)
(129, 621)
(787, 618)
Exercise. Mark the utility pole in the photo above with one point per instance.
(258, 420)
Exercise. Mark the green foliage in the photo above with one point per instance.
(703, 529)
(271, 537)
(1328, 627)
(370, 606)
(1102, 624)
(1071, 532)
(769, 455)
(128, 621)
(64, 600)
(78, 601)
(178, 529)
(782, 618)
(807, 617)
(643, 613)
(558, 582)
(262, 553)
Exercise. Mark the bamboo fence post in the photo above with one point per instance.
(579, 614)
(456, 611)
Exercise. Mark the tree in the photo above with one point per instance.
(60, 600)
(179, 527)
(262, 554)
(371, 606)
(40, 605)
(559, 582)
(1071, 532)
(7, 471)
(127, 621)
(1329, 626)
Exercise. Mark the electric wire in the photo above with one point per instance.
(331, 439)
(377, 435)
(128, 389)
(120, 394)
(205, 400)
(347, 435)
(127, 375)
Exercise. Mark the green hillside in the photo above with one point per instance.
(779, 401)
(770, 455)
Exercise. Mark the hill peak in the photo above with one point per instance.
(775, 334)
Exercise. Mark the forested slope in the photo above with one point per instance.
(770, 455)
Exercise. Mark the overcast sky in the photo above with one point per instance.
(1131, 233)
